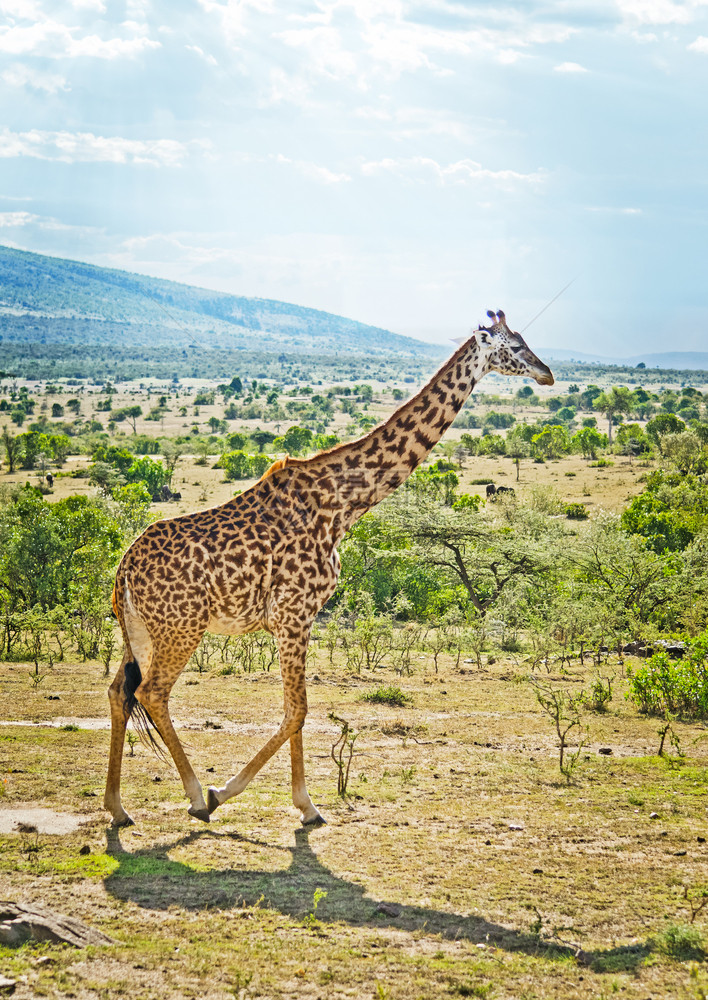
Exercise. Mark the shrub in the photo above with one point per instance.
(678, 687)
(576, 512)
(388, 696)
(682, 942)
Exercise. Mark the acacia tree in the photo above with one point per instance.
(486, 548)
(661, 425)
(52, 553)
(615, 403)
(13, 449)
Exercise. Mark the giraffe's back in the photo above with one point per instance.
(210, 569)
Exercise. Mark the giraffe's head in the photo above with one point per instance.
(508, 353)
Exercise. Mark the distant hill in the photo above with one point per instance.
(675, 360)
(52, 301)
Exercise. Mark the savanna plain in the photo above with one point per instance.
(516, 803)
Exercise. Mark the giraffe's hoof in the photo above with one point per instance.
(212, 799)
(202, 814)
(314, 821)
(123, 821)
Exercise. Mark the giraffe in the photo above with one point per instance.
(267, 559)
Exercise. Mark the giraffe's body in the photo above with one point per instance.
(268, 560)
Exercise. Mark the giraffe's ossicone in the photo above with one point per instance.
(267, 559)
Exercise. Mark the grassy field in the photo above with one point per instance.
(461, 864)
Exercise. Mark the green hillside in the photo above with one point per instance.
(51, 301)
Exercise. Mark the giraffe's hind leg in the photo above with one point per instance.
(169, 659)
(119, 721)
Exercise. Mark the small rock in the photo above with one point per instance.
(664, 833)
(538, 871)
(488, 843)
(157, 778)
(653, 815)
(44, 960)
(516, 826)
(701, 840)
(85, 849)
(211, 770)
(605, 750)
(680, 854)
(53, 697)
(389, 909)
(7, 986)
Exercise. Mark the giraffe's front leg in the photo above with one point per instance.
(309, 813)
(292, 650)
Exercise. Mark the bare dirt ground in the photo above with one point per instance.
(462, 864)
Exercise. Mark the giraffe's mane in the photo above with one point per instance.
(279, 464)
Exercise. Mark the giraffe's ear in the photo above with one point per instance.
(461, 340)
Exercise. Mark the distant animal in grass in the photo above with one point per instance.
(494, 491)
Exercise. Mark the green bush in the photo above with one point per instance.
(682, 942)
(388, 696)
(239, 465)
(679, 687)
(576, 511)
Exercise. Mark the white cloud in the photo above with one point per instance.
(660, 11)
(421, 168)
(613, 210)
(98, 6)
(41, 223)
(26, 9)
(323, 48)
(34, 79)
(699, 45)
(411, 122)
(12, 220)
(110, 48)
(206, 56)
(85, 147)
(406, 47)
(313, 171)
(286, 88)
(386, 43)
(570, 67)
(52, 39)
(233, 14)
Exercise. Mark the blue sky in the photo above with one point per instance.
(408, 164)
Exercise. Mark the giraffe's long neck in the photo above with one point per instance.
(355, 476)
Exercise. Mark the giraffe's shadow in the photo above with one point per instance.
(150, 878)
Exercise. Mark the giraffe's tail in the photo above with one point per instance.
(142, 720)
(137, 640)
